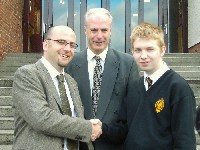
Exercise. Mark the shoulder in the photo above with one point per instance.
(178, 85)
(123, 55)
(26, 69)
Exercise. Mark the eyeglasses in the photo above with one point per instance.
(64, 43)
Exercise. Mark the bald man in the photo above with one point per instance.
(40, 120)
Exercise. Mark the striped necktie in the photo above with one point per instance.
(149, 81)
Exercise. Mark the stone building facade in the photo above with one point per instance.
(10, 26)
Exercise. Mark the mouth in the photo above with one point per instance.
(64, 56)
(98, 42)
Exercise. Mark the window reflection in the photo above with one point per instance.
(151, 11)
(60, 12)
(77, 22)
(93, 4)
(118, 25)
(134, 13)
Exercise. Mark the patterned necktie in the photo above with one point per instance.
(71, 144)
(97, 79)
(149, 81)
(63, 96)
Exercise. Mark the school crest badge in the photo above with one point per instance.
(159, 105)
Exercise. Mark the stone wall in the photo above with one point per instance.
(10, 26)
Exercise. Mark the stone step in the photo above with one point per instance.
(182, 55)
(4, 68)
(6, 137)
(5, 82)
(6, 147)
(6, 74)
(6, 123)
(185, 68)
(5, 91)
(38, 55)
(182, 61)
(18, 60)
(5, 100)
(196, 89)
(6, 111)
(16, 64)
(189, 74)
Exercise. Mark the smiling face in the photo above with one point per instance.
(98, 32)
(148, 55)
(58, 54)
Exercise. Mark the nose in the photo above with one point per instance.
(143, 54)
(99, 34)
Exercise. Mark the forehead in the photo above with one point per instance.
(98, 21)
(142, 42)
(64, 34)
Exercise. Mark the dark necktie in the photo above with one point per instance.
(63, 96)
(149, 81)
(97, 79)
(71, 144)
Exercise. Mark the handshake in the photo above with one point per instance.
(96, 129)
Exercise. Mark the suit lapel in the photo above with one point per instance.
(80, 69)
(48, 81)
(109, 77)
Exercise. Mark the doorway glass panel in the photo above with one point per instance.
(134, 13)
(77, 22)
(60, 12)
(117, 9)
(151, 11)
(93, 4)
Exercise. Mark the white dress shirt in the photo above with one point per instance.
(92, 64)
(156, 75)
(53, 73)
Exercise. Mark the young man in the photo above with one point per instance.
(42, 121)
(159, 110)
(160, 106)
(102, 96)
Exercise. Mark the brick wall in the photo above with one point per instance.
(10, 26)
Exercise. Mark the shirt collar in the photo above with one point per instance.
(52, 71)
(90, 55)
(156, 75)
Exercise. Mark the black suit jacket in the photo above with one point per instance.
(119, 70)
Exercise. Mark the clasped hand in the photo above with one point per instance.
(96, 129)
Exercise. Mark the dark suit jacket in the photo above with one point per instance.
(119, 70)
(39, 123)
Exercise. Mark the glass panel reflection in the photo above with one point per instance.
(134, 13)
(151, 11)
(60, 12)
(117, 9)
(93, 3)
(77, 22)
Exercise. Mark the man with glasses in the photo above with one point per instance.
(103, 74)
(48, 109)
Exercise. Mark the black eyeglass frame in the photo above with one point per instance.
(64, 42)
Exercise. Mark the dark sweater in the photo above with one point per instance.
(161, 118)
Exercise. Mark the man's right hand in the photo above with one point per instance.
(96, 129)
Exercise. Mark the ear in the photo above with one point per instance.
(45, 45)
(163, 49)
